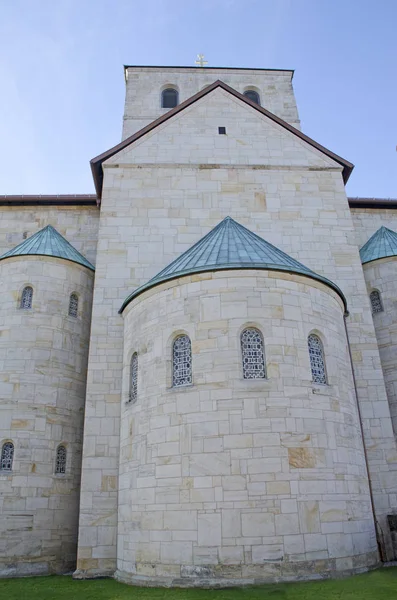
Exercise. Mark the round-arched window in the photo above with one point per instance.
(253, 95)
(169, 98)
(253, 354)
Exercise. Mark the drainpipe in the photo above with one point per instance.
(378, 529)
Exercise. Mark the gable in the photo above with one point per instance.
(189, 134)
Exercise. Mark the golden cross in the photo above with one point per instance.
(200, 60)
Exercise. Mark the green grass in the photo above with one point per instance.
(377, 585)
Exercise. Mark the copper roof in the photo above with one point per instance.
(230, 246)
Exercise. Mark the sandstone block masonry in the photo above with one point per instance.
(231, 479)
(43, 359)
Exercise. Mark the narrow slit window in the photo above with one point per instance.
(169, 98)
(252, 95)
(133, 396)
(60, 463)
(7, 456)
(253, 354)
(27, 298)
(181, 361)
(317, 362)
(73, 305)
(376, 302)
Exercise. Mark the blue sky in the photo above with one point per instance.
(62, 83)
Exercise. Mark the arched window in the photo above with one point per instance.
(169, 98)
(317, 362)
(181, 361)
(7, 456)
(73, 305)
(254, 96)
(27, 297)
(253, 354)
(60, 462)
(133, 396)
(376, 302)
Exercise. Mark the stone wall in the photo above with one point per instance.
(228, 479)
(160, 196)
(43, 363)
(381, 275)
(78, 224)
(368, 220)
(144, 87)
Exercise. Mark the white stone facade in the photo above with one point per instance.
(226, 480)
(236, 479)
(144, 87)
(43, 357)
(381, 275)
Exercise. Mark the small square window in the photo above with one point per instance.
(222, 130)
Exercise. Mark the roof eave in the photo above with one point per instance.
(311, 275)
(76, 262)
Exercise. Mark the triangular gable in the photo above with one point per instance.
(96, 163)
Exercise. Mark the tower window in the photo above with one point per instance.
(73, 305)
(181, 361)
(7, 456)
(252, 95)
(27, 298)
(376, 302)
(169, 98)
(134, 378)
(317, 362)
(60, 462)
(253, 354)
(222, 130)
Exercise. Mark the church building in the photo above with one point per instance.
(198, 382)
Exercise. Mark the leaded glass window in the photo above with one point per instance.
(317, 362)
(169, 98)
(252, 95)
(376, 302)
(73, 305)
(253, 354)
(27, 297)
(181, 361)
(134, 378)
(7, 456)
(60, 462)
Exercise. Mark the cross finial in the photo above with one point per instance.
(200, 60)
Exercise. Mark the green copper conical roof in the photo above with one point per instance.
(48, 242)
(230, 246)
(382, 244)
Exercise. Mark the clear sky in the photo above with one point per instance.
(62, 82)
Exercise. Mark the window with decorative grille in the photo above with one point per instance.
(317, 362)
(169, 98)
(253, 354)
(60, 463)
(73, 305)
(133, 396)
(181, 361)
(27, 298)
(7, 456)
(376, 302)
